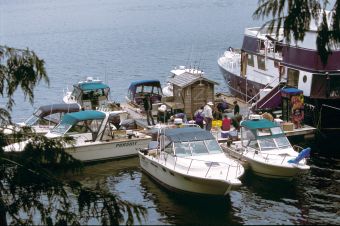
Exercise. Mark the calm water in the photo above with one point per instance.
(120, 41)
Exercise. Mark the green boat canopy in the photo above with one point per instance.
(92, 86)
(258, 124)
(73, 118)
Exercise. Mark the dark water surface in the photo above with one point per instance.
(120, 41)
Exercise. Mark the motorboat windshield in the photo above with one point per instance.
(274, 143)
(31, 121)
(62, 128)
(195, 148)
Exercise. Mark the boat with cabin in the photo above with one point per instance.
(137, 89)
(265, 149)
(190, 160)
(44, 118)
(267, 63)
(90, 94)
(97, 135)
(178, 70)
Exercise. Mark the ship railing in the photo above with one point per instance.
(201, 168)
(268, 85)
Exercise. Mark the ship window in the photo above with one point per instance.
(293, 77)
(334, 86)
(261, 63)
(304, 79)
(250, 60)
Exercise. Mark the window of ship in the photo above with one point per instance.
(261, 62)
(250, 61)
(334, 89)
(293, 77)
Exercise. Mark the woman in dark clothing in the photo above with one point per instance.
(236, 108)
(148, 109)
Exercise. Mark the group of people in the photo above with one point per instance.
(204, 115)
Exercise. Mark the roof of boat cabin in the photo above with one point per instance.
(258, 124)
(44, 110)
(144, 82)
(73, 118)
(91, 86)
(187, 79)
(187, 134)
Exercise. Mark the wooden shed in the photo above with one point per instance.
(190, 92)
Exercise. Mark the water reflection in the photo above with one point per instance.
(310, 199)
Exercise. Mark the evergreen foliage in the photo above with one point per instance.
(295, 16)
(32, 187)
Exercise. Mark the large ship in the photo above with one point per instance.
(267, 62)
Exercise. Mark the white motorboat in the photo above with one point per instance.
(97, 136)
(190, 160)
(267, 151)
(44, 118)
(178, 70)
(90, 94)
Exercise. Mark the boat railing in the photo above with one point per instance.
(268, 85)
(267, 156)
(227, 166)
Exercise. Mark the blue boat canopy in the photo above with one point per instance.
(92, 86)
(187, 134)
(291, 91)
(153, 82)
(258, 124)
(73, 118)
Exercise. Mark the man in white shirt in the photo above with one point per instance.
(208, 116)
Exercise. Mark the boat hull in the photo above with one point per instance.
(239, 86)
(103, 150)
(264, 169)
(184, 183)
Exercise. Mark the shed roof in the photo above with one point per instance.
(187, 79)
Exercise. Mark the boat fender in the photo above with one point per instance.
(305, 153)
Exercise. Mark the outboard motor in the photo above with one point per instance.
(305, 153)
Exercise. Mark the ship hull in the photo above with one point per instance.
(323, 114)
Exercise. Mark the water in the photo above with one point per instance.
(120, 41)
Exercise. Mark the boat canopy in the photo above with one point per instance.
(73, 118)
(187, 134)
(45, 110)
(92, 86)
(258, 124)
(135, 84)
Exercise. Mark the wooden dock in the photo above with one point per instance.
(306, 131)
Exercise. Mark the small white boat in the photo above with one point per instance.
(44, 118)
(90, 94)
(97, 136)
(190, 160)
(178, 70)
(267, 151)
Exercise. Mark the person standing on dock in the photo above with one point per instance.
(208, 116)
(199, 117)
(236, 108)
(148, 108)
